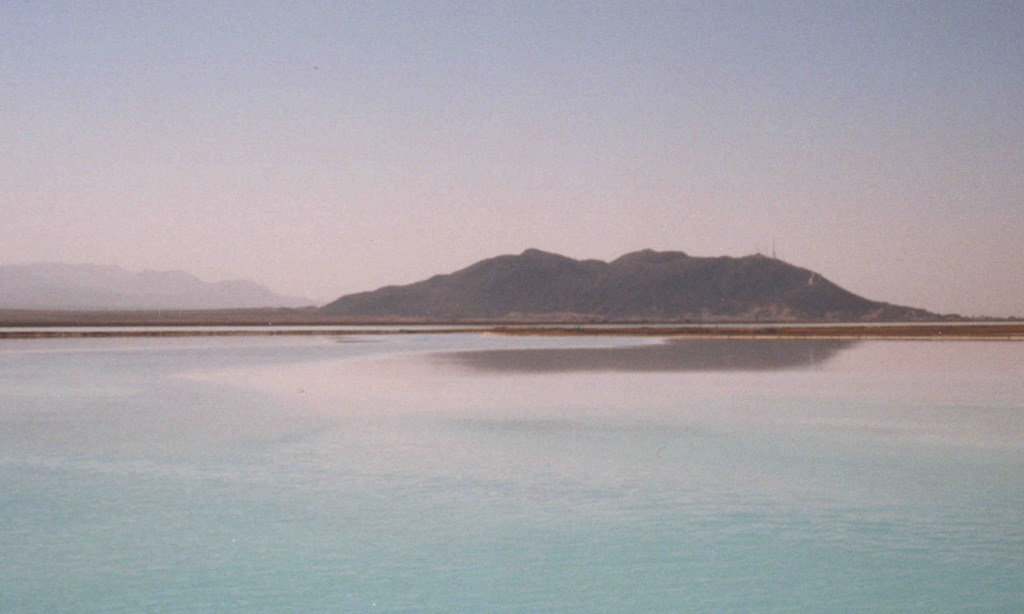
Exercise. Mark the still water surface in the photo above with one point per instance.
(474, 473)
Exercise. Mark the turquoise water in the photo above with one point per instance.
(473, 473)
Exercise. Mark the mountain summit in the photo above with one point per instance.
(645, 285)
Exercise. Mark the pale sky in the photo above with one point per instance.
(323, 148)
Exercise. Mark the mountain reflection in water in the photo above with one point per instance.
(673, 355)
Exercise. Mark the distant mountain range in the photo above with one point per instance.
(94, 287)
(645, 285)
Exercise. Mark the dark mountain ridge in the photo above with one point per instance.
(641, 286)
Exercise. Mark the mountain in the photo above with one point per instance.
(95, 287)
(645, 285)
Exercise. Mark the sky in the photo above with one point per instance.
(323, 148)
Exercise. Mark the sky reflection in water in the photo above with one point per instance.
(472, 473)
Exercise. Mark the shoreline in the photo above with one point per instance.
(846, 330)
(1002, 331)
(43, 324)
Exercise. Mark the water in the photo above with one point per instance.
(474, 473)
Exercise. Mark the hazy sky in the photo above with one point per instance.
(323, 148)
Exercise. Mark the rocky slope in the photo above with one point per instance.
(645, 285)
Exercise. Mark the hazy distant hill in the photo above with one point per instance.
(645, 285)
(74, 286)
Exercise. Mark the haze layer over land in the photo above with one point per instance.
(328, 148)
(50, 286)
